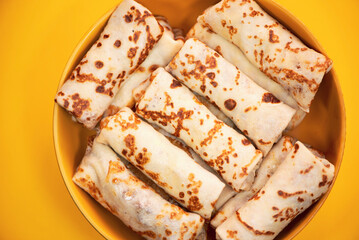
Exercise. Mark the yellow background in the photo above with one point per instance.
(37, 37)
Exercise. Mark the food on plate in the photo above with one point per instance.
(268, 166)
(161, 54)
(299, 181)
(168, 166)
(173, 107)
(270, 47)
(235, 56)
(256, 112)
(103, 175)
(204, 145)
(130, 34)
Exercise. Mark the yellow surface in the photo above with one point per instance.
(37, 39)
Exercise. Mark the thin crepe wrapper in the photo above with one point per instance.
(127, 39)
(256, 112)
(270, 47)
(267, 168)
(148, 181)
(103, 175)
(141, 89)
(173, 107)
(227, 192)
(161, 54)
(299, 181)
(167, 165)
(234, 55)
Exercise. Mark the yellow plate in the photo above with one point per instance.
(323, 128)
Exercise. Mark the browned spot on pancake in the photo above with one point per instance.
(322, 66)
(307, 170)
(211, 75)
(115, 167)
(231, 234)
(223, 6)
(128, 17)
(83, 62)
(66, 103)
(142, 158)
(117, 43)
(232, 30)
(109, 76)
(296, 147)
(312, 84)
(287, 195)
(208, 140)
(286, 214)
(79, 105)
(106, 36)
(100, 89)
(272, 37)
(250, 228)
(269, 98)
(153, 67)
(324, 181)
(141, 18)
(168, 101)
(275, 208)
(136, 35)
(141, 69)
(130, 144)
(124, 152)
(175, 83)
(230, 104)
(245, 142)
(164, 119)
(168, 232)
(247, 109)
(218, 49)
(128, 124)
(211, 62)
(295, 50)
(181, 195)
(255, 13)
(98, 64)
(213, 83)
(244, 172)
(194, 204)
(203, 88)
(121, 75)
(99, 44)
(132, 52)
(272, 25)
